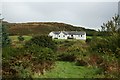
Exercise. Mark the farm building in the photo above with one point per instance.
(68, 35)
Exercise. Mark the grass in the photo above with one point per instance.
(70, 70)
(89, 37)
(16, 42)
(67, 40)
(15, 38)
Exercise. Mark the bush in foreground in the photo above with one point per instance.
(42, 41)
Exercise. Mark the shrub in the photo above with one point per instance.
(41, 54)
(106, 45)
(95, 60)
(80, 62)
(88, 40)
(20, 38)
(42, 41)
(22, 65)
(77, 47)
(99, 71)
(99, 45)
(67, 57)
(9, 52)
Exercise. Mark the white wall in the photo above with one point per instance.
(53, 35)
(81, 37)
(50, 34)
(62, 36)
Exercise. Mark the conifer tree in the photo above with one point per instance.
(4, 36)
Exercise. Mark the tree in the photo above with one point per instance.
(112, 26)
(4, 36)
(111, 43)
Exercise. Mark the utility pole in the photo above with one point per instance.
(119, 7)
(119, 14)
(1, 19)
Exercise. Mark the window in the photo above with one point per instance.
(81, 35)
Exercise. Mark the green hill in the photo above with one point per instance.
(39, 28)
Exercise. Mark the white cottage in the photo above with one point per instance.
(68, 35)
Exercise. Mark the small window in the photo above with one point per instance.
(81, 35)
(63, 35)
(59, 36)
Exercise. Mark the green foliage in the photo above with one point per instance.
(20, 38)
(67, 57)
(70, 70)
(80, 62)
(88, 40)
(21, 71)
(77, 47)
(111, 26)
(108, 45)
(9, 52)
(42, 41)
(5, 38)
(41, 54)
(111, 43)
(91, 32)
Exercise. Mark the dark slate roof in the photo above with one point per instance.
(70, 32)
(55, 32)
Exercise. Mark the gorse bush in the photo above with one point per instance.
(40, 53)
(67, 57)
(88, 40)
(42, 41)
(21, 38)
(78, 47)
(80, 62)
(42, 48)
(9, 52)
(99, 45)
(22, 62)
(108, 45)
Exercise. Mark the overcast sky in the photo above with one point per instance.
(88, 14)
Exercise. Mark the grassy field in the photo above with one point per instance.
(15, 38)
(70, 70)
(16, 43)
(89, 37)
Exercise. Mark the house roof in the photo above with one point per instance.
(56, 32)
(70, 32)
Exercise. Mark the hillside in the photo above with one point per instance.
(39, 28)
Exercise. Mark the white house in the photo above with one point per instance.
(68, 35)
